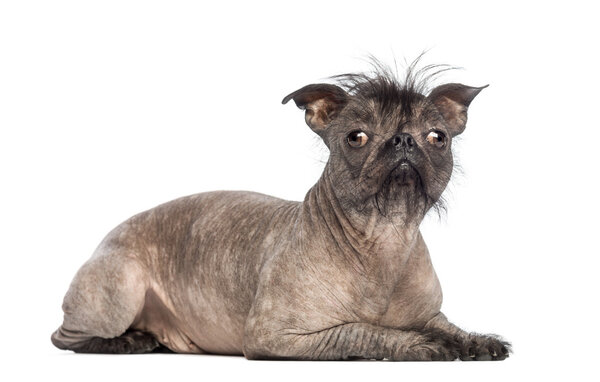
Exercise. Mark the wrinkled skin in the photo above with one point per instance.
(344, 274)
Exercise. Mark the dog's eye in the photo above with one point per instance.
(357, 138)
(437, 138)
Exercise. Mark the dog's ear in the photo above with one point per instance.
(322, 103)
(453, 100)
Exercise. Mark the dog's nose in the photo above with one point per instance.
(403, 141)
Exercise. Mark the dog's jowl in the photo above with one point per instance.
(344, 274)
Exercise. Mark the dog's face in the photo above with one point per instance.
(390, 146)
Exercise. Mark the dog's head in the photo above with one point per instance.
(390, 145)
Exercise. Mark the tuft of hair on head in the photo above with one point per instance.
(384, 85)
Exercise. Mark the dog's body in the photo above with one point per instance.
(344, 274)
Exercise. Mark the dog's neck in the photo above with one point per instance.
(367, 233)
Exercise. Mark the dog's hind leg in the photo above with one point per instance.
(105, 297)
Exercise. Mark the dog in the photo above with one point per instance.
(344, 274)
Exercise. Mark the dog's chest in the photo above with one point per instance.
(415, 300)
(403, 296)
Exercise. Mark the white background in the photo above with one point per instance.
(110, 108)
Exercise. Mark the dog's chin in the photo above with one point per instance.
(402, 191)
(404, 175)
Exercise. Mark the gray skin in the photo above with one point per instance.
(344, 274)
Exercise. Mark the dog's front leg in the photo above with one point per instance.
(348, 341)
(472, 346)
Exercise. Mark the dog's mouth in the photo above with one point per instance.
(404, 174)
(403, 180)
(401, 190)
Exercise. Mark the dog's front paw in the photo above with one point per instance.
(435, 346)
(478, 347)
